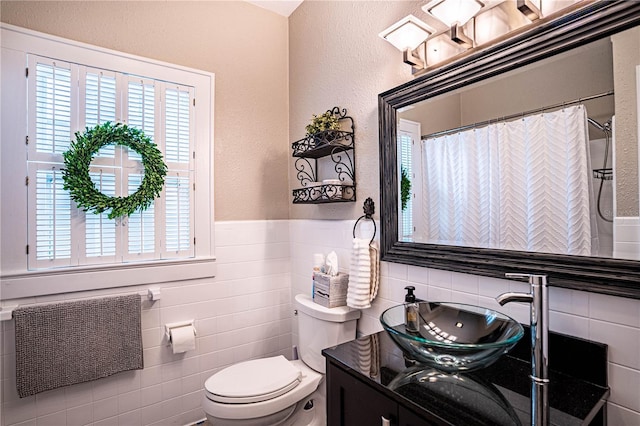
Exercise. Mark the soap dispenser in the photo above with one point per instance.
(411, 311)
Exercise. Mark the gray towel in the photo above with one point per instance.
(73, 342)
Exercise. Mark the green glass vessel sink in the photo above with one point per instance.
(453, 337)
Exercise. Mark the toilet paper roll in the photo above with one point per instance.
(182, 339)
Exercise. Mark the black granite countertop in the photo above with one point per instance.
(496, 395)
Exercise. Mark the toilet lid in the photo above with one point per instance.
(253, 381)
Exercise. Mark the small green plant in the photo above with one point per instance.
(322, 122)
(405, 187)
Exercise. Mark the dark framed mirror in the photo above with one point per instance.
(545, 42)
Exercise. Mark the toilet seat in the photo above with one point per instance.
(308, 384)
(253, 381)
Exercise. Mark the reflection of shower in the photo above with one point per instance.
(604, 173)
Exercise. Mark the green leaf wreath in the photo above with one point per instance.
(78, 159)
(405, 187)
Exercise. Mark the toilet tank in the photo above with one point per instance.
(320, 328)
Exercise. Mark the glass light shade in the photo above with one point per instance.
(494, 23)
(440, 49)
(454, 11)
(408, 33)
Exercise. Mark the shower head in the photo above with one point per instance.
(606, 127)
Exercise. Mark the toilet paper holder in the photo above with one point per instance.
(169, 327)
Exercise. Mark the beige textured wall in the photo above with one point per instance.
(435, 115)
(337, 59)
(582, 72)
(578, 74)
(244, 45)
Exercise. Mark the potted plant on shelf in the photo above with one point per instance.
(322, 126)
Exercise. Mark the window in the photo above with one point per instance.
(68, 88)
(409, 160)
(406, 219)
(63, 236)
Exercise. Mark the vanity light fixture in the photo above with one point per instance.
(455, 13)
(442, 38)
(529, 9)
(408, 35)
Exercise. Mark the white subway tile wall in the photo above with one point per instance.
(607, 319)
(244, 313)
(626, 234)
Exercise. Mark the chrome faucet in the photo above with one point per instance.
(539, 313)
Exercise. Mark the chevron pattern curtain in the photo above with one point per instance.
(519, 185)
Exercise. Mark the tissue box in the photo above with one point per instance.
(324, 300)
(330, 291)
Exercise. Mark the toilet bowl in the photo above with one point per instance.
(275, 391)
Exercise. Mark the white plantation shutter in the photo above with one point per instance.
(100, 233)
(100, 105)
(141, 106)
(51, 205)
(178, 214)
(406, 217)
(52, 106)
(410, 158)
(141, 109)
(101, 101)
(68, 97)
(177, 126)
(100, 98)
(52, 100)
(178, 217)
(141, 225)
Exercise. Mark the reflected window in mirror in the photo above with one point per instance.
(410, 165)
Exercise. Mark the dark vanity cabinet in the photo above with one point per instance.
(370, 382)
(353, 402)
(409, 418)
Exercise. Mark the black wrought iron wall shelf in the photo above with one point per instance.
(339, 147)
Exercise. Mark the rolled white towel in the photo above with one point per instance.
(358, 305)
(359, 295)
(363, 355)
(359, 288)
(374, 254)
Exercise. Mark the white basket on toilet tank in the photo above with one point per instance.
(275, 391)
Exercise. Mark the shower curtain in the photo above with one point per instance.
(518, 185)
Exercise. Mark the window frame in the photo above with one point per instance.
(16, 280)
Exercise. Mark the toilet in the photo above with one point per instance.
(275, 391)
